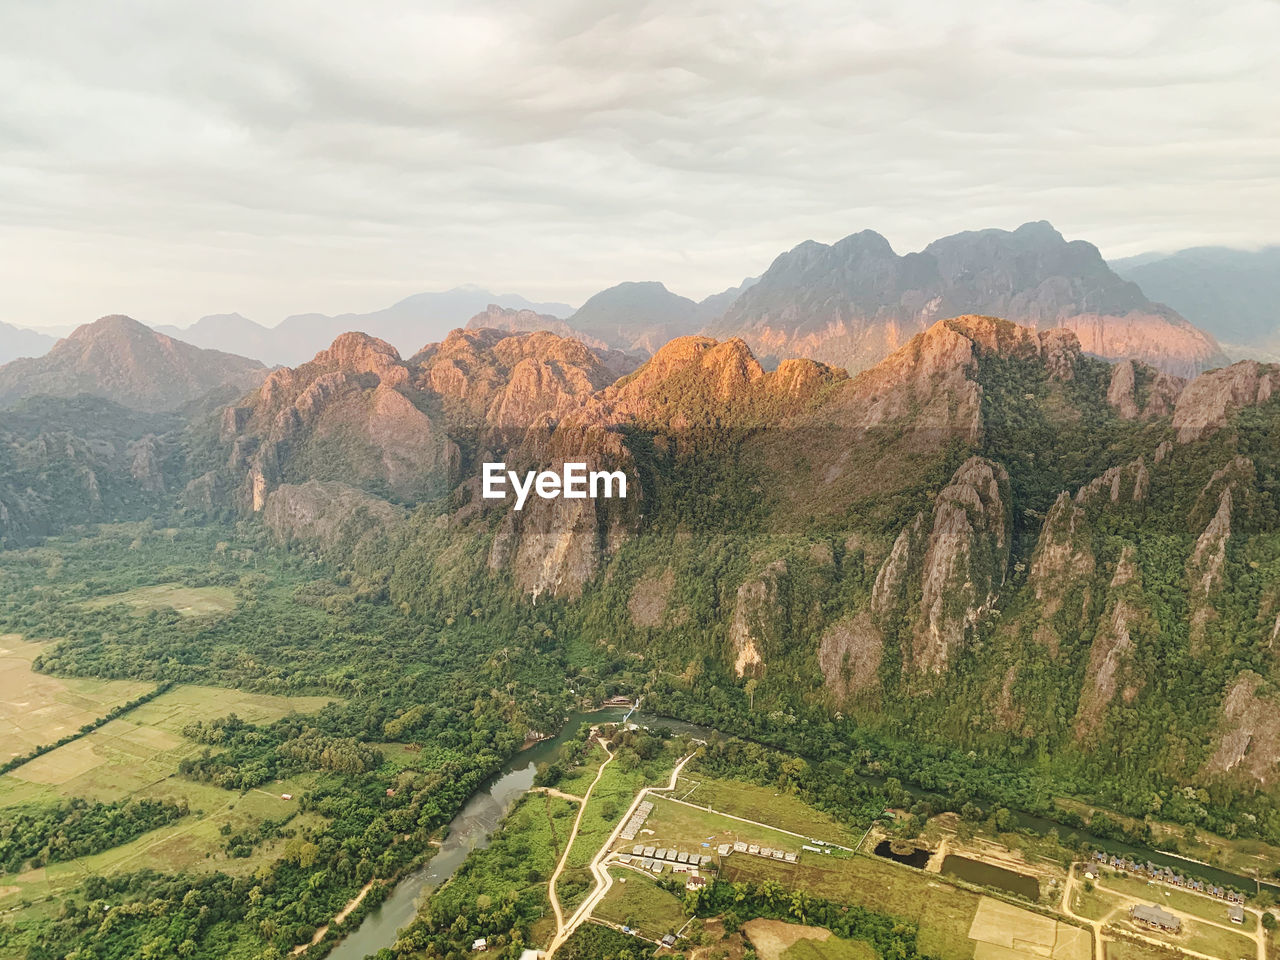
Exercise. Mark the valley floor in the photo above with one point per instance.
(803, 850)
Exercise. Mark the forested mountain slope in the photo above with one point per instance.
(989, 539)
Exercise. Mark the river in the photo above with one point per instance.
(472, 827)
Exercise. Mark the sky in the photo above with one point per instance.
(171, 160)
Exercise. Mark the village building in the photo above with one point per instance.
(1154, 917)
(1235, 913)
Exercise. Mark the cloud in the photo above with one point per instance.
(168, 161)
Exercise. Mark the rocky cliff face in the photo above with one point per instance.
(1248, 744)
(330, 516)
(489, 380)
(1063, 562)
(945, 571)
(1111, 668)
(82, 460)
(1209, 400)
(123, 361)
(754, 610)
(511, 320)
(349, 415)
(1139, 391)
(855, 302)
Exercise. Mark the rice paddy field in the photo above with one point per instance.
(36, 709)
(137, 756)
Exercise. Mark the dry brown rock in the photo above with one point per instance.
(849, 655)
(755, 606)
(1111, 654)
(1211, 398)
(1249, 742)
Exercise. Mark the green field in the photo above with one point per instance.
(188, 601)
(687, 828)
(1218, 942)
(833, 949)
(37, 710)
(1093, 904)
(638, 902)
(577, 781)
(137, 756)
(766, 805)
(943, 913)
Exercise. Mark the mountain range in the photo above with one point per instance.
(989, 538)
(854, 302)
(849, 304)
(16, 342)
(124, 361)
(1232, 294)
(410, 323)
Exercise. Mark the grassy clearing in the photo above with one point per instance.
(188, 601)
(577, 782)
(610, 799)
(641, 904)
(1094, 904)
(1133, 950)
(754, 802)
(833, 949)
(943, 913)
(1198, 906)
(772, 939)
(194, 843)
(1217, 942)
(688, 828)
(36, 709)
(522, 856)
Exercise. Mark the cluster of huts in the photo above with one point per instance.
(637, 820)
(655, 860)
(1165, 875)
(755, 850)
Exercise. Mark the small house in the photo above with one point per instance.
(1235, 913)
(479, 946)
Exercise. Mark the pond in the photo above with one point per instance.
(914, 857)
(989, 875)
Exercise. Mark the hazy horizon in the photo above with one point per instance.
(170, 163)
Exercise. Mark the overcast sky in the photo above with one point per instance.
(169, 160)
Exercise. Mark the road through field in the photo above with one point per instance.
(564, 857)
(604, 881)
